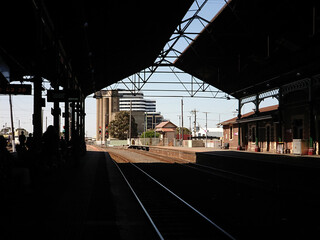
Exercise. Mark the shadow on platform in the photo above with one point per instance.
(68, 203)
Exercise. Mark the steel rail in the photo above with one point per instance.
(186, 203)
(206, 168)
(227, 172)
(173, 194)
(139, 201)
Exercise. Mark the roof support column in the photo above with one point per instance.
(56, 113)
(97, 118)
(83, 116)
(239, 125)
(80, 119)
(100, 119)
(73, 118)
(104, 118)
(81, 112)
(257, 148)
(280, 138)
(257, 103)
(311, 121)
(78, 108)
(66, 113)
(66, 121)
(37, 111)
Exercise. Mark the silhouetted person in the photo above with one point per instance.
(50, 146)
(6, 164)
(30, 142)
(63, 147)
(22, 139)
(31, 156)
(75, 148)
(21, 149)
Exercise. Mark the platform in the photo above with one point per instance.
(192, 153)
(85, 202)
(92, 201)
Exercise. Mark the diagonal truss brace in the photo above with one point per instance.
(168, 55)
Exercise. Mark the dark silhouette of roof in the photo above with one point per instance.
(251, 46)
(96, 42)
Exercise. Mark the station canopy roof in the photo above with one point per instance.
(97, 42)
(251, 46)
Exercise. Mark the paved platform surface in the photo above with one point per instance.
(287, 159)
(84, 202)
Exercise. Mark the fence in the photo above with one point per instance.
(163, 142)
(155, 142)
(176, 143)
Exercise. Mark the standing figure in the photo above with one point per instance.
(50, 147)
(75, 148)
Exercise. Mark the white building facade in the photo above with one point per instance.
(138, 103)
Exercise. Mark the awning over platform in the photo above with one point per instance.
(265, 113)
(251, 46)
(96, 42)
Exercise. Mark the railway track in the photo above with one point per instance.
(233, 199)
(231, 175)
(171, 216)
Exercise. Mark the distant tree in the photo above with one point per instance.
(149, 134)
(119, 127)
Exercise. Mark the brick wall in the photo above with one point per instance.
(230, 136)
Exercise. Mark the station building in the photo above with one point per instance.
(248, 128)
(292, 126)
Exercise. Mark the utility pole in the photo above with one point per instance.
(206, 128)
(195, 122)
(37, 111)
(145, 128)
(179, 134)
(190, 125)
(181, 121)
(12, 126)
(155, 134)
(130, 122)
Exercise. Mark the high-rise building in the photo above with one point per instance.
(107, 107)
(109, 102)
(153, 119)
(138, 103)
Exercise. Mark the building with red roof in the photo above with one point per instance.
(167, 131)
(266, 123)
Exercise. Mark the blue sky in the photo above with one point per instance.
(170, 107)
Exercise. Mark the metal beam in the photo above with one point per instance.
(168, 55)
